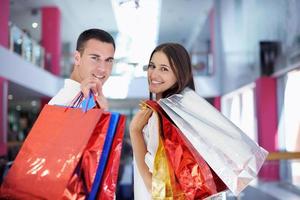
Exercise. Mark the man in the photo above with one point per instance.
(94, 58)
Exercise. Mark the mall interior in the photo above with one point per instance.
(245, 56)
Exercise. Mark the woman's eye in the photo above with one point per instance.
(150, 66)
(164, 69)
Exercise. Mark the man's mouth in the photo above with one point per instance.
(100, 77)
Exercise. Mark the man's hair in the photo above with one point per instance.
(96, 34)
(180, 62)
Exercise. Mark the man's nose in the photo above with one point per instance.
(101, 65)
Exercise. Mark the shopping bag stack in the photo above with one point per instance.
(68, 154)
(179, 171)
(208, 136)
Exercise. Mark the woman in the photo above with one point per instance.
(169, 72)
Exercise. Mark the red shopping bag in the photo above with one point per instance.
(109, 182)
(81, 181)
(196, 179)
(50, 154)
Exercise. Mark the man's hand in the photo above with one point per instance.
(94, 84)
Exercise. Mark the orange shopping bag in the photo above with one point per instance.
(50, 154)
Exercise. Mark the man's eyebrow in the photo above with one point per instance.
(96, 55)
(110, 58)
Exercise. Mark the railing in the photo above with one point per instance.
(283, 156)
(22, 44)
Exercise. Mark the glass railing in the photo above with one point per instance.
(22, 44)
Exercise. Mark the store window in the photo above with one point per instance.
(289, 121)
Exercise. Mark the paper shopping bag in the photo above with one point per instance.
(109, 181)
(234, 157)
(102, 153)
(82, 180)
(50, 153)
(193, 175)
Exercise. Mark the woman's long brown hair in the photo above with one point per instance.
(180, 62)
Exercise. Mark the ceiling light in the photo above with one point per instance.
(131, 21)
(18, 108)
(33, 103)
(34, 25)
(10, 97)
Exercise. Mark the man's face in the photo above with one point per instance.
(96, 60)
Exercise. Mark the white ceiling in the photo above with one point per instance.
(180, 20)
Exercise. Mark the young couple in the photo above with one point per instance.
(169, 72)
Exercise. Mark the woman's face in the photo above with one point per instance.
(160, 74)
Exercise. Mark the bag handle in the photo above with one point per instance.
(79, 98)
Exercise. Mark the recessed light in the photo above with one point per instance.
(34, 25)
(18, 108)
(33, 103)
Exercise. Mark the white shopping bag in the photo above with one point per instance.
(234, 157)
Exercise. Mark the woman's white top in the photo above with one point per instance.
(151, 138)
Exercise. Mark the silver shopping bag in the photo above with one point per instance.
(234, 157)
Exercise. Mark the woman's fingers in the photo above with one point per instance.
(148, 113)
(140, 119)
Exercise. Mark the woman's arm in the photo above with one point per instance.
(138, 144)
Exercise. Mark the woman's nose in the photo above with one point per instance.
(154, 73)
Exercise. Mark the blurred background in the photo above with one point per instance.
(245, 56)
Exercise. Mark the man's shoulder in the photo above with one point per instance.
(70, 83)
(66, 94)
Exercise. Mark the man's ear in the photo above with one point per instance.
(77, 57)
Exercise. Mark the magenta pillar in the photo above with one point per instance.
(51, 39)
(4, 34)
(217, 103)
(267, 122)
(4, 18)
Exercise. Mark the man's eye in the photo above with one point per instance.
(110, 60)
(94, 58)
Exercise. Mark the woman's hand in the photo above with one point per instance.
(138, 144)
(140, 119)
